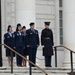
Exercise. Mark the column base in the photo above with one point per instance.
(68, 64)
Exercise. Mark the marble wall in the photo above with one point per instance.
(45, 10)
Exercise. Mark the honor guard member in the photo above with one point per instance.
(19, 43)
(9, 41)
(25, 51)
(33, 42)
(47, 42)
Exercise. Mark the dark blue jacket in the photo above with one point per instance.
(9, 40)
(33, 38)
(48, 43)
(25, 39)
(18, 39)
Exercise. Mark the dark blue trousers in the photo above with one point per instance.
(48, 61)
(18, 58)
(32, 55)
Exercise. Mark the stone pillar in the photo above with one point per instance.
(25, 12)
(69, 28)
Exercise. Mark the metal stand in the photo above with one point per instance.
(0, 38)
(11, 62)
(71, 73)
(71, 58)
(0, 59)
(55, 56)
(30, 70)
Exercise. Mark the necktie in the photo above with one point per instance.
(10, 34)
(19, 32)
(33, 30)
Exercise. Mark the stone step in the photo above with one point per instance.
(33, 74)
(35, 71)
(34, 68)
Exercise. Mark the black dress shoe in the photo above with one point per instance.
(48, 66)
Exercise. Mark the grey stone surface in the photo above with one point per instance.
(25, 71)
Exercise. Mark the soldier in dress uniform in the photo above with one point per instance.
(9, 40)
(25, 51)
(19, 43)
(33, 42)
(47, 42)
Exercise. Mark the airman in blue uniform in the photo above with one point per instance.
(33, 42)
(19, 43)
(9, 40)
(25, 51)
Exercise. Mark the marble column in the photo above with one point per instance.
(69, 29)
(25, 12)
